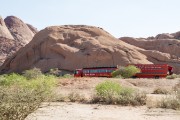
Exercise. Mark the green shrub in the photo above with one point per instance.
(54, 71)
(117, 73)
(10, 79)
(126, 72)
(60, 73)
(34, 73)
(173, 76)
(108, 88)
(67, 76)
(107, 92)
(113, 93)
(18, 99)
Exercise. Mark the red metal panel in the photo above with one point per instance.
(152, 70)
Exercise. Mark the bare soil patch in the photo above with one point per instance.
(75, 111)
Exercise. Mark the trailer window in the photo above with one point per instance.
(85, 71)
(93, 71)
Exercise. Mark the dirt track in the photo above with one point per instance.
(74, 111)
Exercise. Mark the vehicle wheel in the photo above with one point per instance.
(156, 77)
(134, 77)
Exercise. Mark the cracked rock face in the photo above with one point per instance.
(76, 46)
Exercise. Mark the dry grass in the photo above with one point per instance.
(160, 91)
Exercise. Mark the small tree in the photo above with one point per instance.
(126, 72)
(32, 73)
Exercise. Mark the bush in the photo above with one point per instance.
(171, 103)
(60, 73)
(18, 99)
(173, 76)
(10, 79)
(34, 73)
(17, 103)
(113, 93)
(75, 97)
(54, 71)
(160, 91)
(126, 72)
(117, 73)
(67, 76)
(177, 87)
(108, 88)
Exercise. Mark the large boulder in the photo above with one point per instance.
(71, 47)
(32, 28)
(164, 36)
(176, 35)
(13, 37)
(77, 46)
(171, 46)
(19, 30)
(158, 50)
(4, 32)
(7, 48)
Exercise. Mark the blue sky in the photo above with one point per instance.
(135, 18)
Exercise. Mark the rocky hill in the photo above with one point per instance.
(162, 43)
(4, 32)
(69, 47)
(19, 30)
(32, 28)
(14, 34)
(7, 48)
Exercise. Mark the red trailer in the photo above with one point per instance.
(153, 70)
(94, 72)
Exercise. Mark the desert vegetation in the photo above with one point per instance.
(168, 99)
(20, 95)
(173, 76)
(171, 102)
(161, 91)
(110, 92)
(126, 72)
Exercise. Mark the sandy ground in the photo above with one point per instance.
(86, 86)
(75, 111)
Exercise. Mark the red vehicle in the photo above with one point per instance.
(153, 70)
(94, 72)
